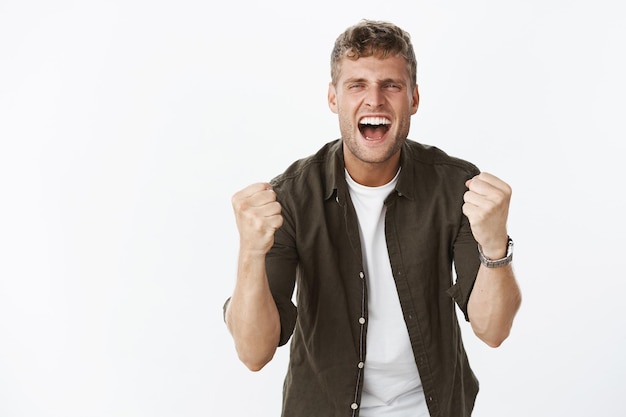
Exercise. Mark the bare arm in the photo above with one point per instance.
(493, 304)
(496, 296)
(251, 315)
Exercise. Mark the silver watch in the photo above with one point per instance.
(495, 263)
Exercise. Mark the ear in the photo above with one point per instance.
(416, 100)
(332, 97)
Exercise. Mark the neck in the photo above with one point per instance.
(372, 174)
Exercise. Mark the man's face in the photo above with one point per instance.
(374, 101)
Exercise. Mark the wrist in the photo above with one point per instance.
(498, 257)
(494, 247)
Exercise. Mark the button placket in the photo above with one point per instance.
(361, 364)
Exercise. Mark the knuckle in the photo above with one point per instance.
(235, 200)
(241, 206)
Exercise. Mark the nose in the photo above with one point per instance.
(373, 98)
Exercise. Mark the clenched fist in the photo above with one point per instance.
(487, 208)
(258, 216)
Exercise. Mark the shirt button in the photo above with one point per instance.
(362, 320)
(354, 406)
(361, 365)
(361, 274)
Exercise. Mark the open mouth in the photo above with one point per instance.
(374, 128)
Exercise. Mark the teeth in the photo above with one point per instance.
(375, 121)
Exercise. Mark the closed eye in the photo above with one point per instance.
(355, 86)
(393, 86)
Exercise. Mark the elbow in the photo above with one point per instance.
(255, 344)
(494, 341)
(254, 363)
(494, 327)
(256, 353)
(254, 367)
(492, 333)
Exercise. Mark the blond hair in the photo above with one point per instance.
(373, 38)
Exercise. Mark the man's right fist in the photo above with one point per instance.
(258, 216)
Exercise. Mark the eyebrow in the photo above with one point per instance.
(382, 81)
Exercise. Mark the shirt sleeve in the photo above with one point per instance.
(466, 265)
(281, 264)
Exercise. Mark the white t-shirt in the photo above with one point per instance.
(392, 385)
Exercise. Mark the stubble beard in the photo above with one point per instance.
(351, 142)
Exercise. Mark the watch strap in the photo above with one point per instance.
(496, 263)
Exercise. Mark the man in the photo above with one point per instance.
(370, 228)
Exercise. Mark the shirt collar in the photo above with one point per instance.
(335, 182)
(406, 180)
(334, 175)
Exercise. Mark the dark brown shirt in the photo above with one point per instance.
(318, 252)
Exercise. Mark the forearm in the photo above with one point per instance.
(251, 315)
(493, 304)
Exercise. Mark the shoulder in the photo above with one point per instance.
(428, 171)
(419, 154)
(313, 174)
(318, 164)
